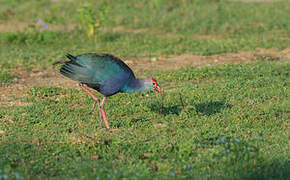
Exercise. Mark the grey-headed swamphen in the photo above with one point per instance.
(105, 73)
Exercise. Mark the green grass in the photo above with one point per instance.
(146, 28)
(167, 27)
(6, 77)
(219, 122)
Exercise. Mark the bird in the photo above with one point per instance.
(106, 74)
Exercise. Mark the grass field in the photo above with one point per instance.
(212, 122)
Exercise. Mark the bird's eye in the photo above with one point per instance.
(154, 83)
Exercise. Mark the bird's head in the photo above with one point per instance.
(155, 86)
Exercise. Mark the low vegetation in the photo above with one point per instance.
(219, 122)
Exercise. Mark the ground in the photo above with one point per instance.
(39, 77)
(223, 67)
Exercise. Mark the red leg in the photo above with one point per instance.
(103, 113)
(89, 92)
(97, 101)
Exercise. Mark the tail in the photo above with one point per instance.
(74, 70)
(71, 57)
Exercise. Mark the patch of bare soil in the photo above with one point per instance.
(25, 26)
(186, 60)
(11, 95)
(256, 0)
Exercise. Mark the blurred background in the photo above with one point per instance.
(41, 31)
(142, 28)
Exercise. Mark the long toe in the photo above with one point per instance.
(105, 119)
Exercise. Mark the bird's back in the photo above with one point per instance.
(103, 72)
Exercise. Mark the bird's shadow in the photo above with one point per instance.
(204, 108)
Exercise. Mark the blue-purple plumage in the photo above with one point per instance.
(104, 73)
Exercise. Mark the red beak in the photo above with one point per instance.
(158, 89)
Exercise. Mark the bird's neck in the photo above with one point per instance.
(136, 85)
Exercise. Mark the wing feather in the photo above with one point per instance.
(94, 68)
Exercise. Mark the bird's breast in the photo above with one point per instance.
(114, 84)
